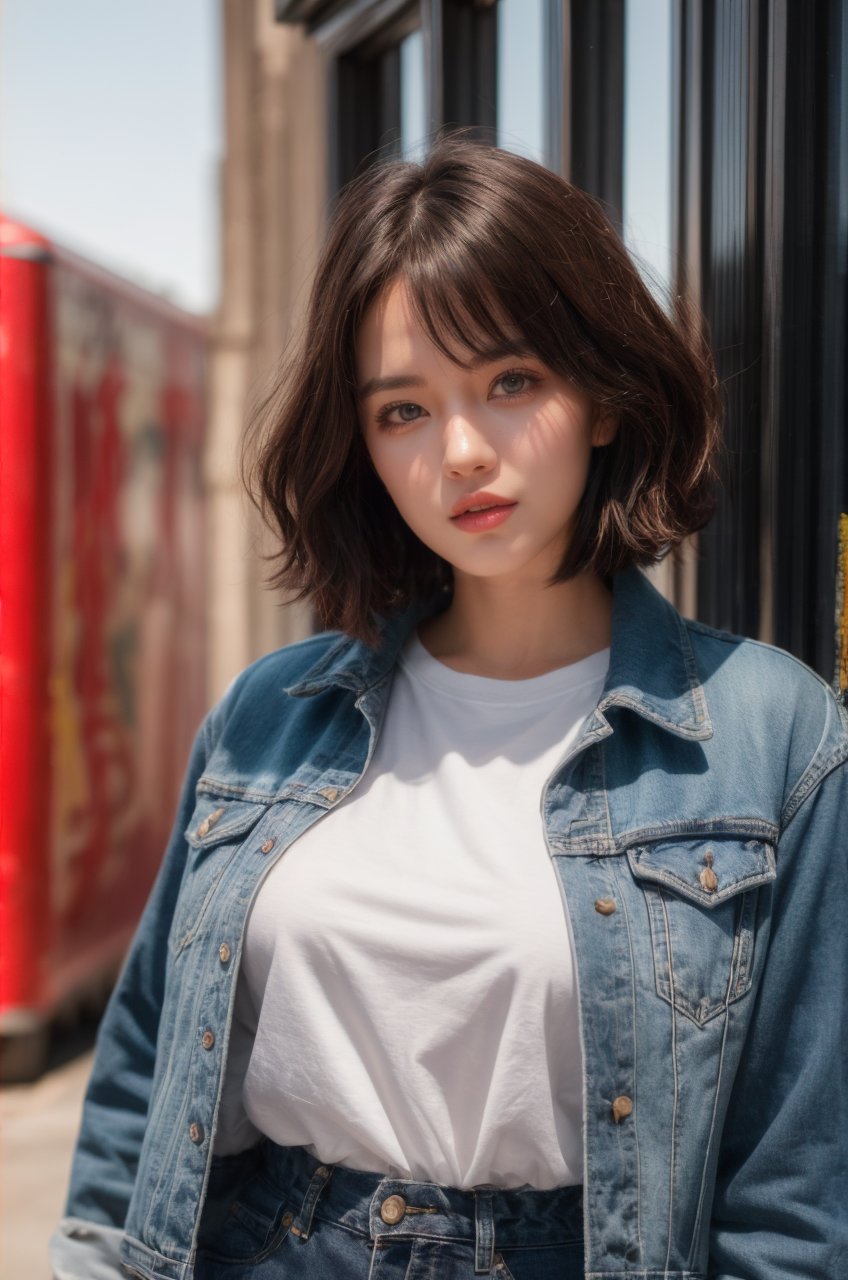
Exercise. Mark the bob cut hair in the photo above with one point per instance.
(491, 246)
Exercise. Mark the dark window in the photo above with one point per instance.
(368, 98)
(596, 100)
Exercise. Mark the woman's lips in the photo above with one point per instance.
(480, 521)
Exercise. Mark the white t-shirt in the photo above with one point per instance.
(407, 999)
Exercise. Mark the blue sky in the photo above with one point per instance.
(110, 134)
(111, 127)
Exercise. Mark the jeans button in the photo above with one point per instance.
(392, 1209)
(621, 1108)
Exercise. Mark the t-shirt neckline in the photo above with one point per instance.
(420, 664)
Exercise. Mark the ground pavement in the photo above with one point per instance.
(38, 1127)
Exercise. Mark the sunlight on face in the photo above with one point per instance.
(508, 429)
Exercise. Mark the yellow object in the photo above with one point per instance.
(842, 607)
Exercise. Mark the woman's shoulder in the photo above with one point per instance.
(771, 696)
(758, 661)
(279, 674)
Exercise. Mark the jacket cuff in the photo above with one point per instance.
(81, 1250)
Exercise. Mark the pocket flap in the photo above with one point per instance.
(216, 819)
(683, 864)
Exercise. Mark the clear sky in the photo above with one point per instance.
(110, 134)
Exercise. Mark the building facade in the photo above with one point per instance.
(716, 135)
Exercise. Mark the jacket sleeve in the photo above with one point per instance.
(781, 1204)
(85, 1245)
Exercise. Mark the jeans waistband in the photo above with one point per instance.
(377, 1206)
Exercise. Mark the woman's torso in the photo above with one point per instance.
(701, 744)
(407, 1000)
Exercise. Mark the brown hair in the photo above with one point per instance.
(488, 243)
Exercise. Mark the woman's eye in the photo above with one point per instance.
(396, 415)
(513, 384)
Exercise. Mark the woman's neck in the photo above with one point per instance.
(515, 631)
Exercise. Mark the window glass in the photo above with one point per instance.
(413, 104)
(647, 139)
(522, 76)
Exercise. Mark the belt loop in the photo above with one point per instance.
(302, 1224)
(484, 1230)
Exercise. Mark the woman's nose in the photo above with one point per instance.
(467, 449)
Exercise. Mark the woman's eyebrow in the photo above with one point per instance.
(389, 384)
(502, 351)
(398, 381)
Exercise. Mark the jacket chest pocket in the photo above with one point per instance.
(215, 836)
(702, 898)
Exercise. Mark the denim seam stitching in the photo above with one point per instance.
(633, 1012)
(189, 929)
(146, 1253)
(210, 785)
(809, 781)
(711, 1139)
(173, 1140)
(672, 1174)
(720, 825)
(186, 1106)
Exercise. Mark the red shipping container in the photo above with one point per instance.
(102, 635)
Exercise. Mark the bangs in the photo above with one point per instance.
(463, 298)
(462, 320)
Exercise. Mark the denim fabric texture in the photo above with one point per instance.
(699, 829)
(277, 1213)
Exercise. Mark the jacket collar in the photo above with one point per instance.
(652, 664)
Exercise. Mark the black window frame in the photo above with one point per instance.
(759, 227)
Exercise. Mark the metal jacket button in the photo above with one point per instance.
(393, 1209)
(195, 1132)
(708, 878)
(224, 953)
(208, 823)
(268, 845)
(621, 1108)
(208, 1039)
(605, 906)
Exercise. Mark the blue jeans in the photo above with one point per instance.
(275, 1213)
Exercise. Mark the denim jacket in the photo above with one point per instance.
(699, 828)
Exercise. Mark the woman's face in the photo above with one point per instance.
(507, 435)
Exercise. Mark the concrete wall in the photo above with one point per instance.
(273, 200)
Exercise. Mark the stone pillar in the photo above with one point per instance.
(273, 196)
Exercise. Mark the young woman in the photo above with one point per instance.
(502, 928)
